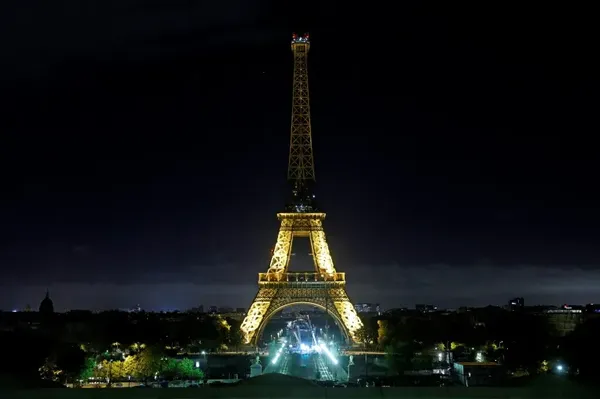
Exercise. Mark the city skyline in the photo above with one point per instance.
(412, 288)
(454, 168)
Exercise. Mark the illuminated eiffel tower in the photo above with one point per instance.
(323, 287)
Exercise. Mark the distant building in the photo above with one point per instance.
(225, 309)
(592, 308)
(367, 307)
(240, 310)
(564, 320)
(516, 304)
(47, 306)
(397, 311)
(477, 373)
(213, 309)
(425, 308)
(133, 309)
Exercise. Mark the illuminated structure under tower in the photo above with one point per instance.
(323, 287)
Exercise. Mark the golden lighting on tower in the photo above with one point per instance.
(324, 287)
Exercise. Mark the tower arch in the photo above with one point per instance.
(330, 311)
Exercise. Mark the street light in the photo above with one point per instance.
(203, 353)
(350, 363)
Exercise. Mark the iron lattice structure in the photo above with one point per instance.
(324, 287)
(301, 166)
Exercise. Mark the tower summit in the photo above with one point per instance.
(301, 169)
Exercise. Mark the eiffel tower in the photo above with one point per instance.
(324, 287)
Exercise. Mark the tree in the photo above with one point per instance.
(189, 370)
(103, 369)
(171, 369)
(382, 332)
(117, 369)
(399, 356)
(367, 334)
(181, 369)
(136, 348)
(581, 351)
(130, 366)
(49, 371)
(224, 332)
(236, 337)
(88, 369)
(528, 347)
(71, 360)
(149, 362)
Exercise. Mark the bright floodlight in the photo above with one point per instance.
(304, 347)
(329, 354)
(559, 367)
(274, 361)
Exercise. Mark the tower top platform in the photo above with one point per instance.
(300, 39)
(307, 215)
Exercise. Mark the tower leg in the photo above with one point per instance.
(283, 248)
(347, 312)
(320, 249)
(256, 314)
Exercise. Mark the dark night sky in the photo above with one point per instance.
(144, 149)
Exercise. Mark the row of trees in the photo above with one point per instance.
(147, 363)
(412, 341)
(516, 339)
(61, 351)
(141, 367)
(187, 332)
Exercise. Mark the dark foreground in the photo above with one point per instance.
(280, 386)
(405, 393)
